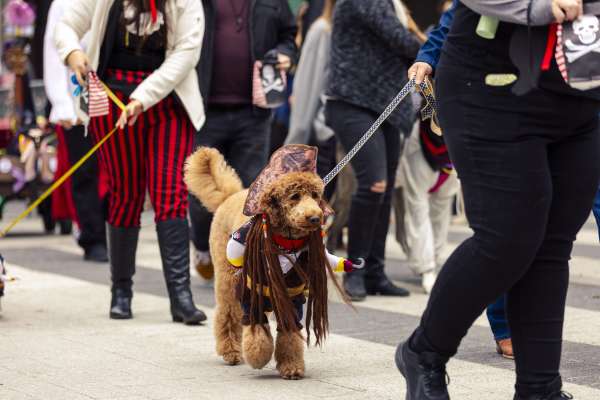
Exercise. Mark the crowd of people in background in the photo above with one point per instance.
(190, 74)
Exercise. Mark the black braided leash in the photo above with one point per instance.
(426, 90)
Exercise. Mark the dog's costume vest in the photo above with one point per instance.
(293, 252)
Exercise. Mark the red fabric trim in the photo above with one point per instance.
(442, 178)
(552, 36)
(289, 244)
(153, 11)
(436, 151)
(62, 203)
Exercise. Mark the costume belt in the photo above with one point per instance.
(292, 292)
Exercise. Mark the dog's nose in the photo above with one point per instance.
(314, 220)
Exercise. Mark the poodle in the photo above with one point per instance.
(267, 250)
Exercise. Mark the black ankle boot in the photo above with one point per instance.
(174, 242)
(377, 282)
(120, 304)
(550, 391)
(354, 285)
(425, 374)
(122, 245)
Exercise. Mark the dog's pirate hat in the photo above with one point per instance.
(288, 159)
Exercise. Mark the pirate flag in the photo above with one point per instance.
(578, 49)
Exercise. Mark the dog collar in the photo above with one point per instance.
(289, 244)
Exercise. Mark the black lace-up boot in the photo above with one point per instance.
(425, 374)
(551, 391)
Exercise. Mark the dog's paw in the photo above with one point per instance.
(233, 358)
(291, 372)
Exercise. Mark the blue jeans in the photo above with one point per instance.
(597, 210)
(496, 313)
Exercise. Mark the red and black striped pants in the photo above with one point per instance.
(148, 155)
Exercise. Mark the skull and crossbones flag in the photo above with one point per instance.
(578, 49)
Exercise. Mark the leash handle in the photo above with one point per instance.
(425, 88)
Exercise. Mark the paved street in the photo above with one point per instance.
(57, 342)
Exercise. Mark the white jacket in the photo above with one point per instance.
(185, 22)
(59, 88)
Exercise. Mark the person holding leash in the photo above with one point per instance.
(146, 53)
(525, 145)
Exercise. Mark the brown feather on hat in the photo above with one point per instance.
(287, 159)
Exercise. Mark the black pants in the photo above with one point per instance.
(529, 169)
(88, 205)
(376, 163)
(242, 136)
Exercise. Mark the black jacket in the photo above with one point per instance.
(370, 53)
(272, 26)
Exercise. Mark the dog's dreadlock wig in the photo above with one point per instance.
(262, 268)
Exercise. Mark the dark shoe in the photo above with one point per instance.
(96, 253)
(174, 242)
(554, 396)
(425, 374)
(122, 245)
(120, 305)
(354, 285)
(550, 391)
(383, 286)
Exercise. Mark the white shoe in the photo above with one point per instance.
(428, 280)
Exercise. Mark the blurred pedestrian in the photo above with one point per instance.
(525, 146)
(145, 52)
(425, 65)
(238, 34)
(307, 121)
(371, 45)
(429, 185)
(85, 186)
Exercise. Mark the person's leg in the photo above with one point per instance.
(122, 157)
(597, 210)
(213, 134)
(417, 178)
(536, 304)
(349, 123)
(496, 314)
(502, 162)
(376, 280)
(440, 212)
(85, 194)
(170, 142)
(247, 149)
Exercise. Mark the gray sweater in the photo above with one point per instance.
(309, 82)
(370, 53)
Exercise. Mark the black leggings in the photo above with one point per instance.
(529, 169)
(375, 163)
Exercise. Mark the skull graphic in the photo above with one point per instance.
(586, 28)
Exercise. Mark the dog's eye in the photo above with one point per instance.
(315, 195)
(295, 197)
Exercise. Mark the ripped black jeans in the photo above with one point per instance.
(375, 168)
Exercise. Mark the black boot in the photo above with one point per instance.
(550, 391)
(122, 245)
(354, 285)
(377, 282)
(425, 374)
(174, 242)
(96, 253)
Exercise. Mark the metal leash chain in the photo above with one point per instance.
(427, 112)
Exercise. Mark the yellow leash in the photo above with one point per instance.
(70, 172)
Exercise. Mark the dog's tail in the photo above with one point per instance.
(210, 179)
